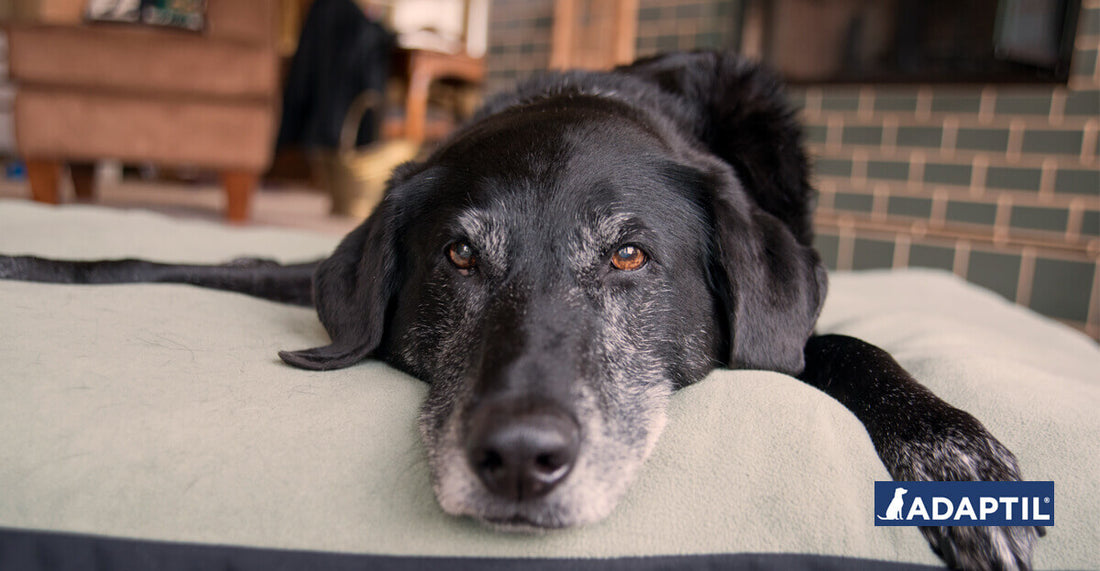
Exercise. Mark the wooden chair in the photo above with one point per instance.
(146, 95)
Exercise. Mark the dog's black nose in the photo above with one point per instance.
(521, 452)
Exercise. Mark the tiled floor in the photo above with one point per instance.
(291, 207)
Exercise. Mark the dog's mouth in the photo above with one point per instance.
(521, 524)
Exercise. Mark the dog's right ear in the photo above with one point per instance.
(351, 291)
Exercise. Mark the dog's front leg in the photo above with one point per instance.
(921, 437)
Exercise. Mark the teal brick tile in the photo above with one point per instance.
(1078, 181)
(649, 14)
(995, 271)
(840, 100)
(1039, 218)
(920, 136)
(938, 173)
(828, 245)
(1083, 62)
(646, 46)
(1090, 22)
(858, 135)
(796, 98)
(1013, 178)
(1061, 288)
(833, 167)
(872, 254)
(971, 212)
(1090, 223)
(1086, 102)
(688, 11)
(956, 102)
(709, 40)
(853, 202)
(816, 133)
(892, 170)
(903, 102)
(1037, 103)
(927, 256)
(668, 43)
(1051, 141)
(982, 140)
(909, 206)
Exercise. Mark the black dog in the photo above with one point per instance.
(584, 247)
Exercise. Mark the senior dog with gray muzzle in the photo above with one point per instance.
(556, 269)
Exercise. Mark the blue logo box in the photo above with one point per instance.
(964, 503)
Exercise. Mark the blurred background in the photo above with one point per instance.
(963, 136)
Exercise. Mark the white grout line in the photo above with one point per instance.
(846, 245)
(901, 251)
(950, 136)
(1002, 219)
(988, 103)
(978, 171)
(1027, 276)
(1046, 179)
(1058, 106)
(962, 258)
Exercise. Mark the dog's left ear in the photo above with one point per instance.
(773, 286)
(772, 279)
(351, 290)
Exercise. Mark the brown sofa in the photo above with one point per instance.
(89, 91)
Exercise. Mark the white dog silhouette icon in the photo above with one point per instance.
(893, 511)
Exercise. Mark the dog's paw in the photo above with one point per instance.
(954, 446)
(984, 548)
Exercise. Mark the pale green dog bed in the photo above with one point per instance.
(132, 415)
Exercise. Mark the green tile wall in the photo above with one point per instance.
(1013, 178)
(1061, 288)
(1039, 218)
(996, 271)
(910, 206)
(971, 212)
(926, 256)
(981, 139)
(870, 254)
(1052, 141)
(1078, 181)
(939, 173)
(920, 136)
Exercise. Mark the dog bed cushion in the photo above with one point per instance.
(155, 423)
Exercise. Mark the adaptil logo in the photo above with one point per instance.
(964, 503)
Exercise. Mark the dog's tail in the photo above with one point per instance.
(265, 279)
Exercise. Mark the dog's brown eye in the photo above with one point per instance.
(628, 258)
(462, 256)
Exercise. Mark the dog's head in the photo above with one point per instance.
(558, 268)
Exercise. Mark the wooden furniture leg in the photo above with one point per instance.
(83, 180)
(239, 186)
(416, 104)
(44, 176)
